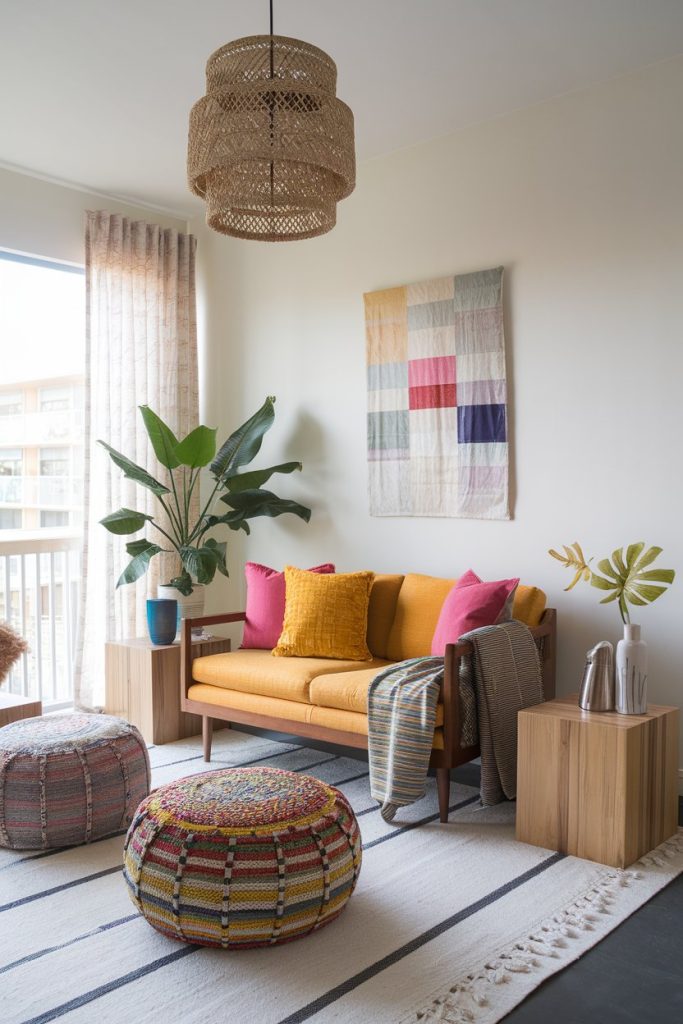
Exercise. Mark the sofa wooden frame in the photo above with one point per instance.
(442, 760)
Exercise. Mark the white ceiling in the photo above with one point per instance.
(97, 92)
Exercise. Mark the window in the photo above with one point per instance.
(55, 399)
(54, 461)
(10, 519)
(54, 519)
(11, 403)
(42, 338)
(10, 461)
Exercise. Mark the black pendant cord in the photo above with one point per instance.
(272, 108)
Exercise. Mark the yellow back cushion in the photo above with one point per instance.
(382, 611)
(326, 616)
(529, 605)
(417, 612)
(419, 605)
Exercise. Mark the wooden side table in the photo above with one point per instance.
(597, 784)
(142, 685)
(13, 707)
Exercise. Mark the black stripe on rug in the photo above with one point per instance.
(322, 1002)
(415, 824)
(110, 986)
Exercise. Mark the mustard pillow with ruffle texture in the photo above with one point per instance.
(325, 616)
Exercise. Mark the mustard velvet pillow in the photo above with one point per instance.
(325, 616)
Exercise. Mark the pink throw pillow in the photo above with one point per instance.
(470, 605)
(266, 604)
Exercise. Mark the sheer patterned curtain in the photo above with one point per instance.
(141, 349)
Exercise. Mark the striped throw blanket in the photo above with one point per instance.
(507, 678)
(402, 703)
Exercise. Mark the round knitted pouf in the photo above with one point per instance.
(68, 779)
(242, 857)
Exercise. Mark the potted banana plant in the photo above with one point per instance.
(234, 498)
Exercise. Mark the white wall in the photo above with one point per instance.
(43, 218)
(581, 200)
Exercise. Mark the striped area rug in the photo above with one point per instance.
(454, 922)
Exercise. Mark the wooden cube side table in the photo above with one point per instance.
(142, 685)
(13, 708)
(597, 785)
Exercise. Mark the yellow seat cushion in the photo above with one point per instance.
(348, 691)
(257, 672)
(529, 605)
(417, 613)
(382, 611)
(326, 616)
(288, 710)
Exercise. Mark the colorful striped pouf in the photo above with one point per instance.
(68, 779)
(242, 857)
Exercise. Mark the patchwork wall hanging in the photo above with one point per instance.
(437, 423)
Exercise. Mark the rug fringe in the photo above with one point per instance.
(463, 1001)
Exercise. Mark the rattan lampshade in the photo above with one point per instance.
(270, 146)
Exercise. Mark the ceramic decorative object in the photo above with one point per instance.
(597, 686)
(631, 675)
(189, 606)
(162, 619)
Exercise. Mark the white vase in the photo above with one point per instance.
(190, 606)
(631, 673)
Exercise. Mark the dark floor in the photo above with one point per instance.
(634, 976)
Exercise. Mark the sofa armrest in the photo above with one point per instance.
(545, 632)
(186, 643)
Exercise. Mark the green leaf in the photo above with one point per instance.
(221, 548)
(610, 597)
(198, 448)
(617, 558)
(138, 567)
(164, 441)
(182, 583)
(134, 472)
(645, 590)
(136, 547)
(125, 520)
(245, 443)
(656, 575)
(203, 562)
(601, 583)
(632, 552)
(264, 503)
(604, 565)
(257, 477)
(648, 558)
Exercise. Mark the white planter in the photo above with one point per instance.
(190, 606)
(631, 673)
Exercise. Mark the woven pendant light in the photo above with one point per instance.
(270, 146)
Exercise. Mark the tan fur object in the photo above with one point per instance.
(12, 646)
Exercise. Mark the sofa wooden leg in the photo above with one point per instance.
(207, 736)
(443, 785)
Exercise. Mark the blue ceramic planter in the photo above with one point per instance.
(162, 619)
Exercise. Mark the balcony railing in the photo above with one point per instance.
(40, 428)
(39, 596)
(57, 492)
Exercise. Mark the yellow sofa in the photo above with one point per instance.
(326, 699)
